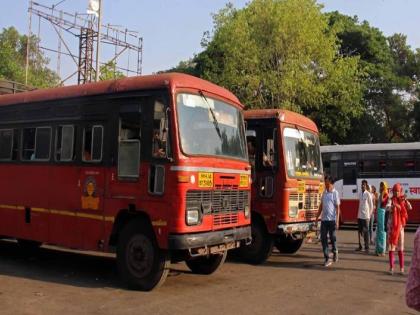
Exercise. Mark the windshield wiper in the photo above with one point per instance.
(215, 122)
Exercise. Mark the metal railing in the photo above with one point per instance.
(12, 87)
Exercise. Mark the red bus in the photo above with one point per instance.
(154, 168)
(287, 181)
(389, 162)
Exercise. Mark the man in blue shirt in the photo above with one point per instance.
(330, 210)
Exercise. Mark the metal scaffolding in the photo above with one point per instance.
(84, 28)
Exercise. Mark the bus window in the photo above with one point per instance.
(350, 173)
(268, 156)
(400, 161)
(36, 143)
(42, 143)
(6, 144)
(160, 130)
(64, 150)
(129, 146)
(92, 144)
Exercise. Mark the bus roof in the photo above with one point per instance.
(284, 115)
(370, 147)
(173, 80)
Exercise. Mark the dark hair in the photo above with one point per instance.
(364, 182)
(329, 178)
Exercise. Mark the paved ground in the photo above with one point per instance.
(58, 282)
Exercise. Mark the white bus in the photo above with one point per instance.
(391, 162)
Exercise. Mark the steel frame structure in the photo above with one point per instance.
(83, 27)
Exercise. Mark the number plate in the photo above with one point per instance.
(205, 180)
(301, 186)
(243, 180)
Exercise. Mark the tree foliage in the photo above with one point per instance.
(13, 60)
(109, 72)
(282, 54)
(390, 85)
(357, 84)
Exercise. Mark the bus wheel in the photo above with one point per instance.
(261, 245)
(288, 245)
(206, 265)
(28, 246)
(141, 264)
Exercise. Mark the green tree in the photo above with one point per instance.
(13, 60)
(390, 83)
(283, 54)
(109, 72)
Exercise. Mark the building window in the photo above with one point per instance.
(93, 143)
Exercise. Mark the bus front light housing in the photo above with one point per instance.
(247, 211)
(293, 210)
(192, 217)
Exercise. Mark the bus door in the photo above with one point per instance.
(123, 183)
(266, 165)
(90, 215)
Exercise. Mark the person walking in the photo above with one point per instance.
(412, 292)
(398, 206)
(380, 219)
(330, 210)
(375, 198)
(363, 216)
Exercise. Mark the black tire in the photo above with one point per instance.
(261, 245)
(29, 246)
(288, 245)
(142, 265)
(206, 265)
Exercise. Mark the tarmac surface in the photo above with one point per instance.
(67, 282)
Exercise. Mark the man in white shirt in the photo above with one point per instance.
(330, 210)
(364, 214)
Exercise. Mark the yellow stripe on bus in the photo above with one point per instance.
(62, 212)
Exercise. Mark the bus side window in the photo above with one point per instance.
(160, 131)
(64, 143)
(36, 144)
(129, 146)
(268, 157)
(93, 143)
(6, 144)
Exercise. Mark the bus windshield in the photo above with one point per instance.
(210, 127)
(302, 152)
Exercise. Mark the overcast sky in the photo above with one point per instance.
(172, 29)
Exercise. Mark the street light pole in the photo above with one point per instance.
(98, 43)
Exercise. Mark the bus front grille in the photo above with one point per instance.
(217, 201)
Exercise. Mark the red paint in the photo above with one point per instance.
(56, 190)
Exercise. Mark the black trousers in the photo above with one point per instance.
(363, 225)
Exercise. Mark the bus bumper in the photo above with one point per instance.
(293, 228)
(199, 244)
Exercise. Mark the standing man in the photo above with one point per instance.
(330, 209)
(363, 215)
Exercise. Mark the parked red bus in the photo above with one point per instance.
(389, 162)
(154, 168)
(287, 181)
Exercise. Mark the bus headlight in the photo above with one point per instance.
(246, 211)
(193, 217)
(293, 211)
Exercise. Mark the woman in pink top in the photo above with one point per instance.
(413, 283)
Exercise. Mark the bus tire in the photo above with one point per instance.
(261, 245)
(28, 245)
(206, 265)
(142, 265)
(288, 245)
